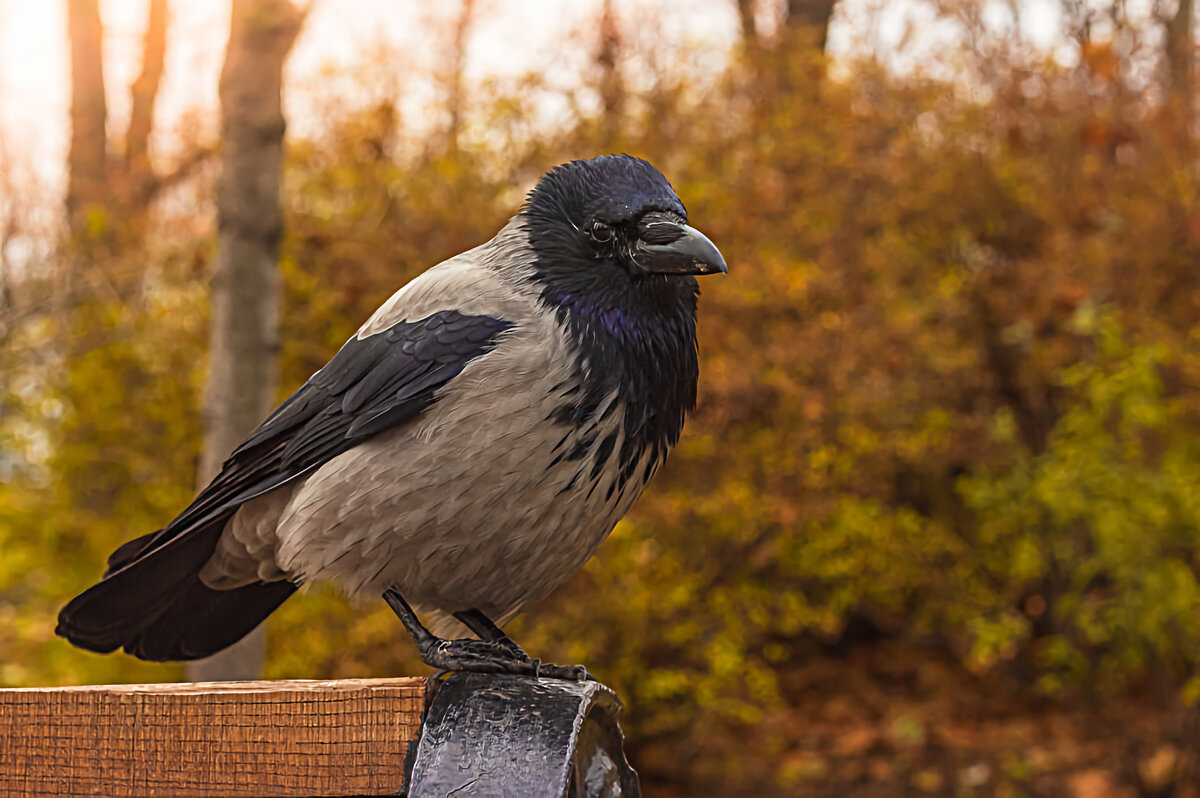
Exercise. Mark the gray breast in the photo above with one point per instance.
(487, 503)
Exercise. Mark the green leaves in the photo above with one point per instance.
(1103, 524)
(107, 432)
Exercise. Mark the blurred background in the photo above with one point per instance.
(934, 528)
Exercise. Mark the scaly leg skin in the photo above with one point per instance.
(499, 655)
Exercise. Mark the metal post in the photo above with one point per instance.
(493, 735)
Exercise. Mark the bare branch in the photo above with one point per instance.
(144, 91)
(749, 24)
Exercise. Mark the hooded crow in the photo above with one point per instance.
(466, 451)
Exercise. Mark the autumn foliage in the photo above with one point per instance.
(949, 414)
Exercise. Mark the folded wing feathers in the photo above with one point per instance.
(151, 600)
(371, 384)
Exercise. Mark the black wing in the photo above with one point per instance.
(372, 384)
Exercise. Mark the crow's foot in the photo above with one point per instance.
(476, 656)
(495, 654)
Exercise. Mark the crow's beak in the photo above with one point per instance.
(669, 247)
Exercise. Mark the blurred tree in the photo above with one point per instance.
(747, 20)
(8, 230)
(244, 341)
(136, 175)
(110, 193)
(454, 75)
(612, 92)
(810, 16)
(104, 218)
(87, 172)
(1181, 56)
(813, 14)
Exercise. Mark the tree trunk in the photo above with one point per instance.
(109, 191)
(813, 15)
(143, 93)
(87, 162)
(1181, 57)
(747, 23)
(458, 57)
(809, 16)
(612, 89)
(243, 339)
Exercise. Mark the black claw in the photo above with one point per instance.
(483, 628)
(571, 673)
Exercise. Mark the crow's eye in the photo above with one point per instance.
(601, 233)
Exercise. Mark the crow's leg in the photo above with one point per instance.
(482, 656)
(474, 656)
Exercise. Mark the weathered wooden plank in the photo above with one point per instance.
(308, 738)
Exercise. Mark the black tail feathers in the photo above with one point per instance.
(152, 604)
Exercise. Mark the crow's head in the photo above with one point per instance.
(615, 223)
(615, 260)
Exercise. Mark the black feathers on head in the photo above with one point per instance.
(614, 188)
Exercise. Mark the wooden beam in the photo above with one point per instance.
(345, 737)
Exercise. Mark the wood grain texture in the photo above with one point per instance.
(308, 738)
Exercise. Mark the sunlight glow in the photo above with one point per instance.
(513, 38)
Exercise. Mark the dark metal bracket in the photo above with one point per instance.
(496, 735)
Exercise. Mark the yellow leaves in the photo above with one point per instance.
(1189, 694)
(1028, 560)
(994, 638)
